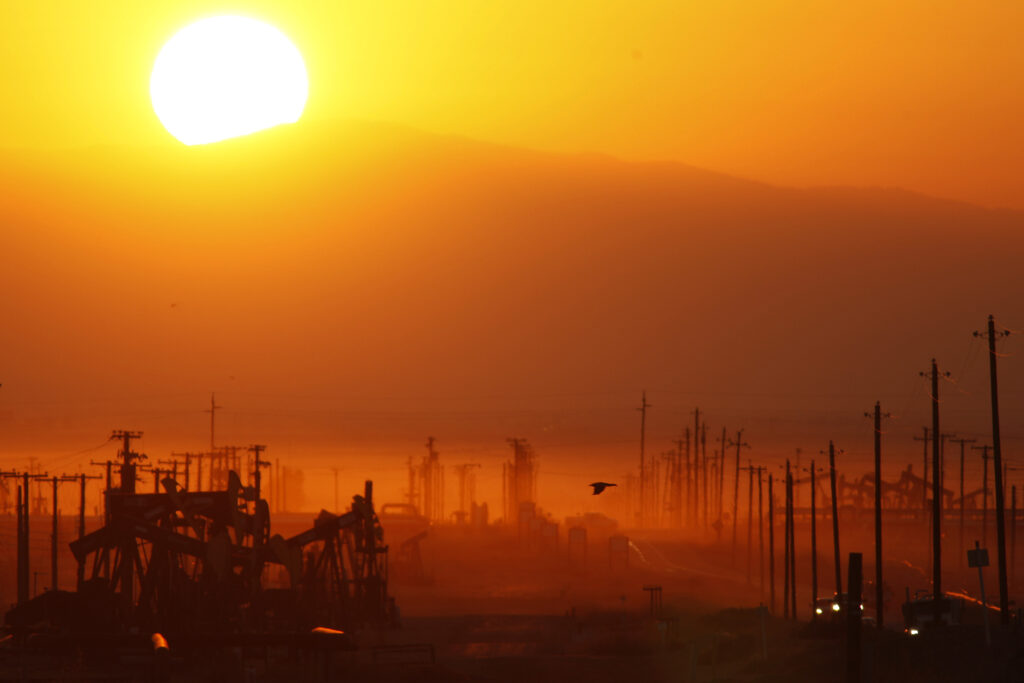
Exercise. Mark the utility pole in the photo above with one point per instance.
(760, 526)
(704, 469)
(690, 517)
(644, 405)
(128, 458)
(749, 469)
(24, 559)
(792, 542)
(721, 485)
(257, 472)
(739, 444)
(696, 467)
(835, 516)
(750, 518)
(933, 374)
(879, 606)
(962, 442)
(814, 543)
(771, 544)
(80, 576)
(997, 454)
(334, 470)
(53, 537)
(108, 466)
(788, 540)
(212, 410)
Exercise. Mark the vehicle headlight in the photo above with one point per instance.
(913, 631)
(835, 606)
(862, 605)
(817, 610)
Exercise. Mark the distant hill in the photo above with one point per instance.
(537, 292)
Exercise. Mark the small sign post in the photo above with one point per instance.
(979, 558)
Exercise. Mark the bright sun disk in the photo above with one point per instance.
(227, 76)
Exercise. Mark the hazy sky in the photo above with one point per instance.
(345, 285)
(915, 93)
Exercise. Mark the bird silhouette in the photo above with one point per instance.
(600, 486)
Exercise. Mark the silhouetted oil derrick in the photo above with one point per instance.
(197, 562)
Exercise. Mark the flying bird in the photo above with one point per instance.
(600, 486)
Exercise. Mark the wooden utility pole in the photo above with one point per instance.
(785, 546)
(760, 526)
(258, 464)
(997, 455)
(814, 543)
(771, 544)
(739, 444)
(212, 410)
(792, 541)
(721, 485)
(696, 467)
(933, 374)
(835, 516)
(879, 603)
(23, 546)
(24, 512)
(690, 488)
(643, 476)
(750, 519)
(53, 538)
(962, 442)
(704, 469)
(80, 576)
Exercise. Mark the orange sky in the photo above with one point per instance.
(913, 93)
(342, 284)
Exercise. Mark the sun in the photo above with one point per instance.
(227, 76)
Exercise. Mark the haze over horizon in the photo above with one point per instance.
(775, 210)
(397, 284)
